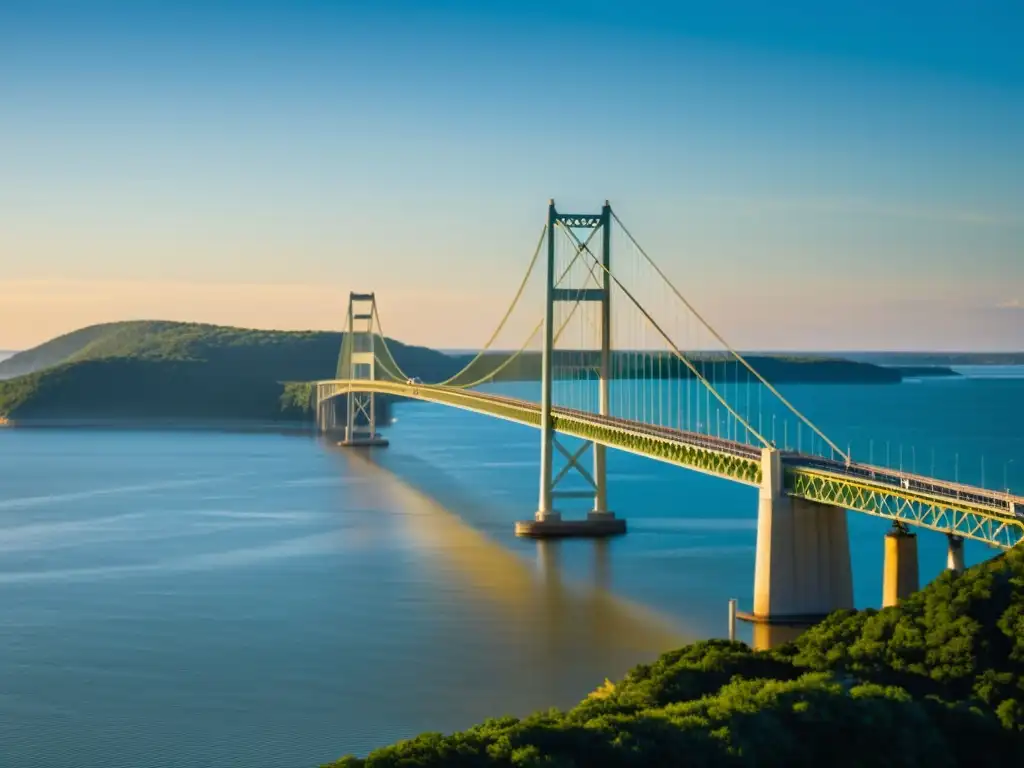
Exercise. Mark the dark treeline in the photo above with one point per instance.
(664, 365)
(158, 369)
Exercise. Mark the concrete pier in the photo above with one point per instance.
(901, 574)
(768, 636)
(955, 553)
(551, 525)
(802, 566)
(376, 440)
(330, 414)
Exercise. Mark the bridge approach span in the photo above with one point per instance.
(988, 516)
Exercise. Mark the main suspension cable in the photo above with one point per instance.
(536, 329)
(673, 349)
(724, 343)
(376, 319)
(508, 314)
(494, 336)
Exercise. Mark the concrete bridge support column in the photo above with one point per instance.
(325, 416)
(802, 566)
(901, 575)
(955, 553)
(318, 413)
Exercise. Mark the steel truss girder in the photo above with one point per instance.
(732, 467)
(967, 518)
(993, 528)
(742, 469)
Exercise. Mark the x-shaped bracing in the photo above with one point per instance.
(572, 461)
(362, 404)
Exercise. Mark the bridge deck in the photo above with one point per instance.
(993, 517)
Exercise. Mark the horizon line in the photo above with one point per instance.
(749, 351)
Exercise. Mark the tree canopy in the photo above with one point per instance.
(158, 369)
(936, 681)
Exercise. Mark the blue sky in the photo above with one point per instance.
(855, 173)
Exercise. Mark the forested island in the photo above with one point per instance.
(935, 682)
(937, 359)
(143, 370)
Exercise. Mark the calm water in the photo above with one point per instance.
(188, 598)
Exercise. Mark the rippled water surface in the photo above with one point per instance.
(199, 598)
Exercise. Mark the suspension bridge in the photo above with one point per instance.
(655, 379)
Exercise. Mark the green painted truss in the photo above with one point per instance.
(638, 439)
(672, 451)
(991, 526)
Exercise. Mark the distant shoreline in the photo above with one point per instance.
(926, 372)
(167, 424)
(159, 374)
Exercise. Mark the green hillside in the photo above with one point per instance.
(157, 369)
(63, 348)
(160, 369)
(286, 355)
(936, 682)
(312, 354)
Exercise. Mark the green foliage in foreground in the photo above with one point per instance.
(935, 682)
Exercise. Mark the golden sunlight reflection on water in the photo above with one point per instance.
(562, 623)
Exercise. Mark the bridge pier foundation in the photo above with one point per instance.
(955, 553)
(900, 579)
(364, 441)
(327, 424)
(802, 567)
(552, 526)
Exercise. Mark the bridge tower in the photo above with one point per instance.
(358, 361)
(600, 521)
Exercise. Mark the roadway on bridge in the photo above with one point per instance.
(993, 517)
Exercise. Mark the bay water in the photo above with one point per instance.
(184, 598)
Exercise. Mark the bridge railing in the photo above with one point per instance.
(721, 445)
(999, 501)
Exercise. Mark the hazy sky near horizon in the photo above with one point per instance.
(839, 176)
